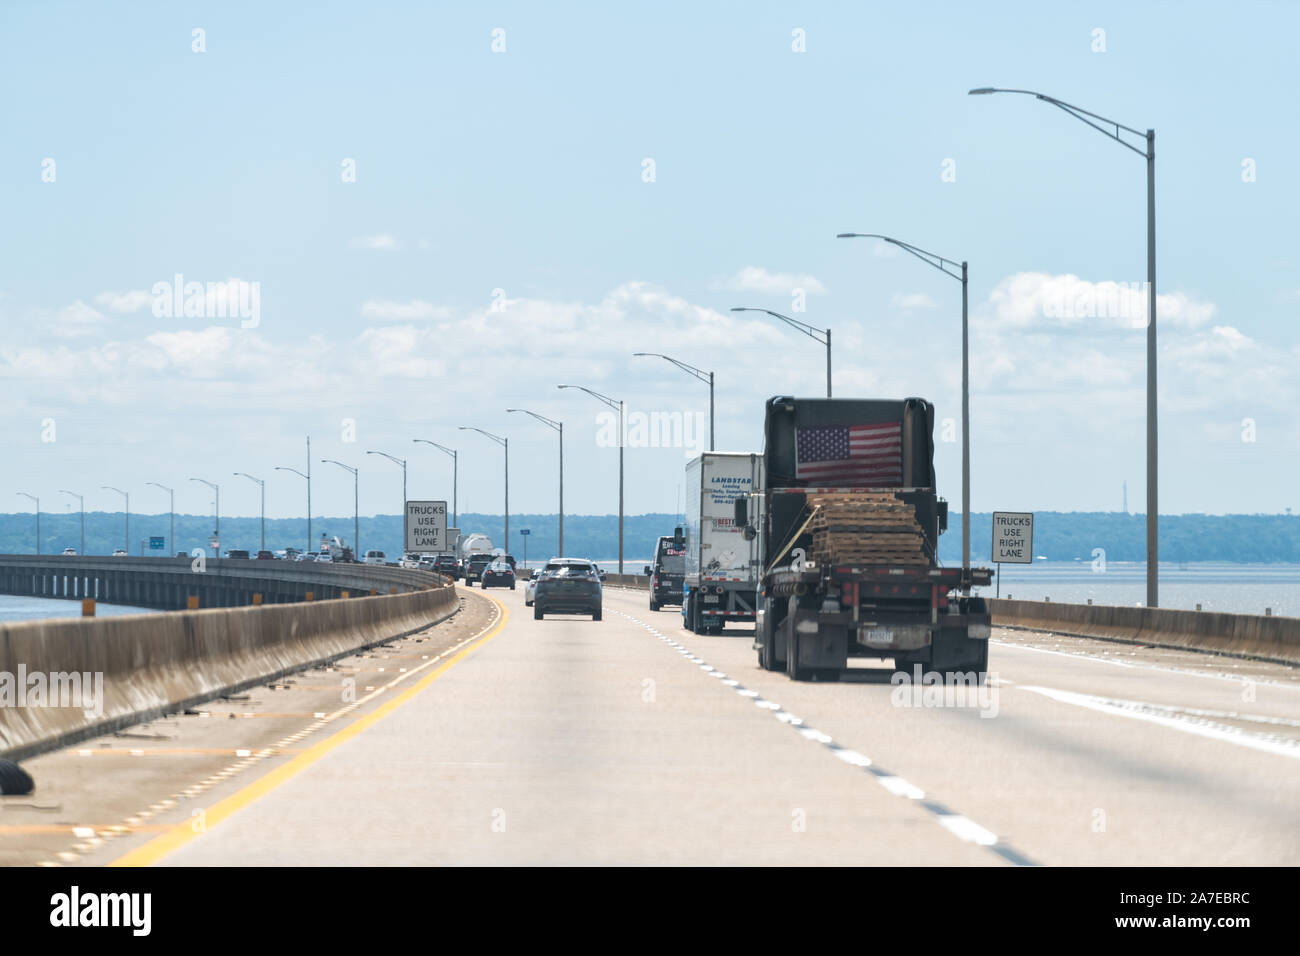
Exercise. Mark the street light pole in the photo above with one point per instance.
(505, 444)
(82, 502)
(216, 534)
(817, 335)
(1148, 152)
(356, 506)
(402, 462)
(617, 404)
(262, 485)
(948, 267)
(455, 515)
(38, 518)
(559, 427)
(708, 377)
(308, 477)
(171, 507)
(126, 516)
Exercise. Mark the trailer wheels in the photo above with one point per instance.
(766, 636)
(790, 623)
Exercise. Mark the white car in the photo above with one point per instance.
(69, 552)
(119, 553)
(411, 561)
(374, 557)
(530, 586)
(325, 557)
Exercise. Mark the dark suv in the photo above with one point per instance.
(474, 568)
(498, 574)
(448, 565)
(568, 586)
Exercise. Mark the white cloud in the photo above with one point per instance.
(388, 310)
(912, 300)
(382, 242)
(132, 301)
(1051, 392)
(75, 320)
(758, 279)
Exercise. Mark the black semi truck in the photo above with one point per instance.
(848, 523)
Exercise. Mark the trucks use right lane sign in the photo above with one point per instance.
(1013, 537)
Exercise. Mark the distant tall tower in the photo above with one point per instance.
(1126, 496)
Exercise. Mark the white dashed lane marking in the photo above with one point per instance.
(958, 825)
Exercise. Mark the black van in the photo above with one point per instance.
(668, 572)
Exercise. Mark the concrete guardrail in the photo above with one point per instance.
(157, 664)
(628, 581)
(1252, 636)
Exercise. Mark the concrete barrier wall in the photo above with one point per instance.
(168, 583)
(628, 581)
(1240, 635)
(162, 663)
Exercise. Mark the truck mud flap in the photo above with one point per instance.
(817, 646)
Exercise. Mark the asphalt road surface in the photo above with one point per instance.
(631, 741)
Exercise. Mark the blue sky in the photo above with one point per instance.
(522, 171)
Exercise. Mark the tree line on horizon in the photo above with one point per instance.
(1058, 536)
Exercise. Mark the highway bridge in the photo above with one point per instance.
(445, 725)
(176, 583)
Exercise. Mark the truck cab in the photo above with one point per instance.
(847, 526)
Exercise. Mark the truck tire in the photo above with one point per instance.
(14, 780)
(769, 657)
(595, 615)
(792, 668)
(767, 645)
(654, 605)
(537, 613)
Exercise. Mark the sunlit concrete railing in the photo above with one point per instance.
(105, 673)
(1256, 636)
(176, 583)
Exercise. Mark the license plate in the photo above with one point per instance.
(711, 598)
(878, 635)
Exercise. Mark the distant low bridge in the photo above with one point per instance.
(176, 583)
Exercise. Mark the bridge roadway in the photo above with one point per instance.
(498, 739)
(168, 583)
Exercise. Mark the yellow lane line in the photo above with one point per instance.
(183, 833)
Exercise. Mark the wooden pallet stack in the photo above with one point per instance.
(866, 527)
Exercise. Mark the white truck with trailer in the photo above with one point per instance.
(722, 566)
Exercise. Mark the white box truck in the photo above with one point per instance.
(722, 564)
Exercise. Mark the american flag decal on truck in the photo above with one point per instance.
(853, 455)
